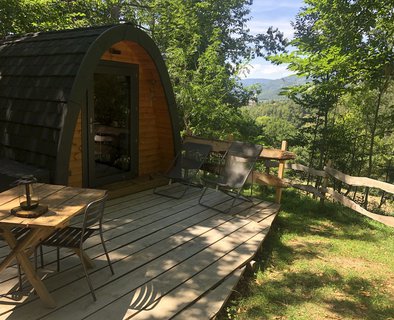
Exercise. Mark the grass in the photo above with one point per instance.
(319, 262)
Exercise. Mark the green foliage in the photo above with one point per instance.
(275, 130)
(342, 48)
(21, 16)
(285, 109)
(206, 45)
(277, 121)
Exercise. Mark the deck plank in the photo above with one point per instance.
(166, 253)
(206, 274)
(169, 270)
(208, 305)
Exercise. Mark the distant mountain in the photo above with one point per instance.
(271, 88)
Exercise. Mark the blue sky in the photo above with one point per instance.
(276, 13)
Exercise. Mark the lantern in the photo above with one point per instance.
(29, 205)
(28, 200)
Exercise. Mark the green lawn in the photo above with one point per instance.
(319, 262)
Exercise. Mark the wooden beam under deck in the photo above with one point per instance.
(172, 258)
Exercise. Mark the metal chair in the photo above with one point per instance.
(185, 166)
(74, 237)
(239, 160)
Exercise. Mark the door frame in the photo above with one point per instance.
(116, 68)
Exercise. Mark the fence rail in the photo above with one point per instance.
(277, 158)
(330, 172)
(359, 181)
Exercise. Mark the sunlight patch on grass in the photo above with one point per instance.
(320, 262)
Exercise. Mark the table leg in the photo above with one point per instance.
(18, 252)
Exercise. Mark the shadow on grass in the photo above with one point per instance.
(303, 215)
(287, 289)
(297, 290)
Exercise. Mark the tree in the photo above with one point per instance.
(342, 46)
(362, 34)
(205, 43)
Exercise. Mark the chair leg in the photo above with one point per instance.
(106, 252)
(187, 186)
(58, 259)
(156, 191)
(35, 258)
(41, 257)
(20, 277)
(233, 202)
(202, 195)
(87, 277)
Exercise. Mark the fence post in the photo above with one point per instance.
(325, 181)
(281, 170)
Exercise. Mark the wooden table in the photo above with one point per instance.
(63, 203)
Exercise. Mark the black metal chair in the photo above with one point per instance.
(19, 233)
(185, 167)
(74, 237)
(234, 169)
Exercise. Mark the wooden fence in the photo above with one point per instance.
(351, 181)
(277, 158)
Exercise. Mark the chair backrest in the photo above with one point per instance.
(240, 159)
(94, 212)
(191, 157)
(194, 154)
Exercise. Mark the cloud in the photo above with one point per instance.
(268, 5)
(266, 70)
(276, 13)
(260, 26)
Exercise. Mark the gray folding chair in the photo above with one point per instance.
(74, 237)
(239, 161)
(185, 167)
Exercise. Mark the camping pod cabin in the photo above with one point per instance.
(85, 107)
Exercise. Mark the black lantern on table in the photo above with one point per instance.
(29, 204)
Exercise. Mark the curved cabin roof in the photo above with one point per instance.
(43, 80)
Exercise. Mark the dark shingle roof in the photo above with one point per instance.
(43, 82)
(37, 72)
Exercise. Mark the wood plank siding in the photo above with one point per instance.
(156, 149)
(156, 145)
(75, 169)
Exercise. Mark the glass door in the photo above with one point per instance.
(113, 123)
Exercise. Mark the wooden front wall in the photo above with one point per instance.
(156, 149)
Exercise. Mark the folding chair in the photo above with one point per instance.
(185, 167)
(74, 237)
(239, 161)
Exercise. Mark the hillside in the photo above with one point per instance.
(271, 88)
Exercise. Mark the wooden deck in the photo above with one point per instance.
(173, 259)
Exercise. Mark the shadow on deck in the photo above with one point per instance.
(173, 259)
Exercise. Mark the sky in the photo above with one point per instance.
(276, 13)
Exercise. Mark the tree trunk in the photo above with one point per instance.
(383, 197)
(382, 89)
(323, 146)
(313, 150)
